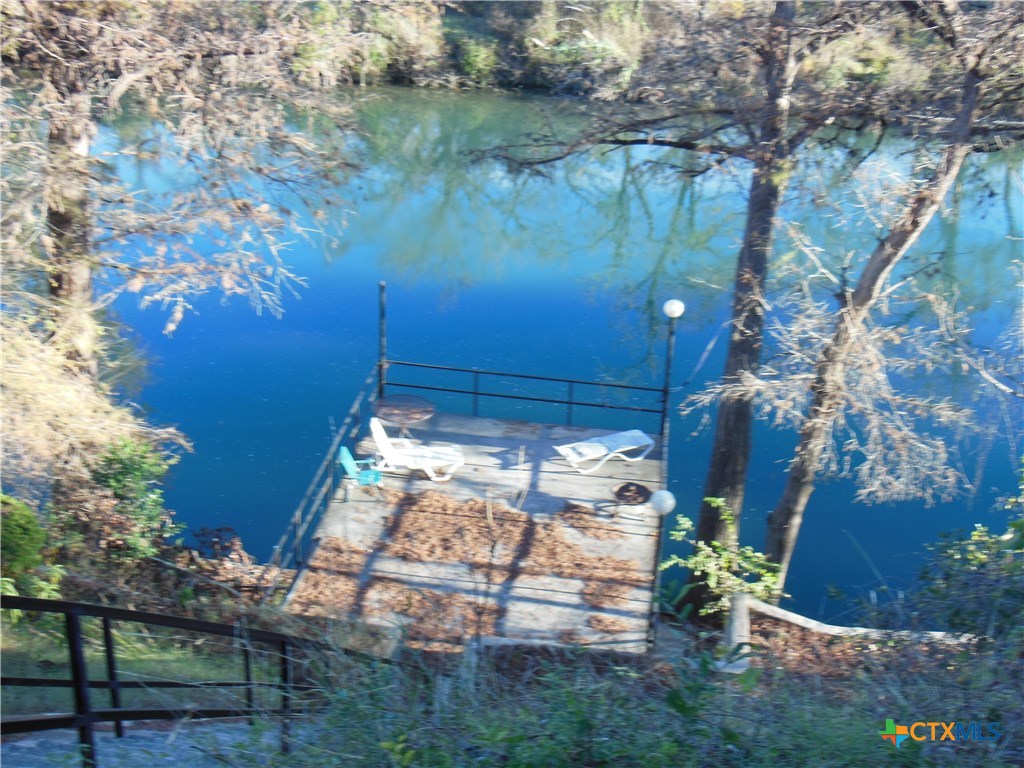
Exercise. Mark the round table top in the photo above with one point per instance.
(403, 409)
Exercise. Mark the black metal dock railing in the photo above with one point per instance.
(476, 391)
(247, 641)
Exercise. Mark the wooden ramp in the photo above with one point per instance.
(518, 547)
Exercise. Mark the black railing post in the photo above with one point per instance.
(275, 556)
(296, 543)
(250, 695)
(331, 482)
(382, 340)
(673, 309)
(476, 393)
(570, 398)
(115, 685)
(331, 469)
(80, 682)
(286, 697)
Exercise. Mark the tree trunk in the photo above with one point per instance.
(784, 522)
(730, 454)
(69, 257)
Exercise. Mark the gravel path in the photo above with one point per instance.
(149, 745)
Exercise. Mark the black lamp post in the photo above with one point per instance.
(663, 501)
(673, 309)
(382, 340)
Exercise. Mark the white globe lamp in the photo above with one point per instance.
(673, 308)
(663, 502)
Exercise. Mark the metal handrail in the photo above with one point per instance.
(290, 547)
(476, 392)
(560, 379)
(86, 716)
(528, 398)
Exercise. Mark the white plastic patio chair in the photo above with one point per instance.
(399, 453)
(606, 447)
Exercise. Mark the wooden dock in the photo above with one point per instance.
(518, 547)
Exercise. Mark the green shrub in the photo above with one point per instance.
(727, 568)
(132, 472)
(21, 538)
(591, 50)
(478, 60)
(975, 584)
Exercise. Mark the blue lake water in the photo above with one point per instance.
(561, 276)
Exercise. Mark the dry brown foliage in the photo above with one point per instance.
(585, 520)
(437, 619)
(434, 527)
(609, 624)
(55, 421)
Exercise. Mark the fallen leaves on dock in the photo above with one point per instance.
(500, 548)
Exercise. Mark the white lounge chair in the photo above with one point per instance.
(399, 453)
(606, 447)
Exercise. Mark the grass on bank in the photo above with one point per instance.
(544, 708)
(549, 709)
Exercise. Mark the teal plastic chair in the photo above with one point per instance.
(354, 475)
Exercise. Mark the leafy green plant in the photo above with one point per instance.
(21, 538)
(44, 582)
(586, 49)
(975, 583)
(132, 472)
(402, 755)
(9, 588)
(727, 568)
(478, 59)
(45, 585)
